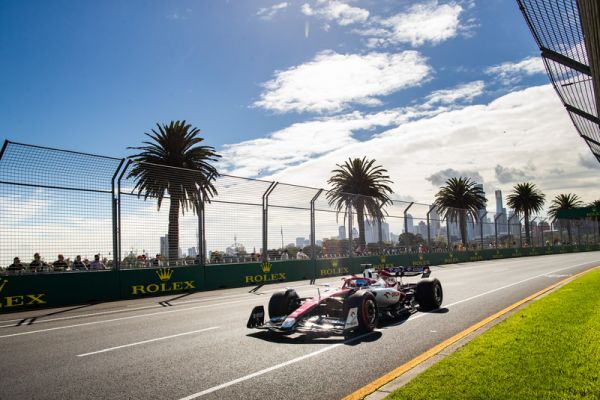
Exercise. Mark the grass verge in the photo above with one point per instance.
(548, 350)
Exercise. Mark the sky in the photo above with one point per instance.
(285, 90)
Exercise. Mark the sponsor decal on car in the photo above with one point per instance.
(352, 320)
(288, 323)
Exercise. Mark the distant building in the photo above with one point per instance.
(409, 224)
(300, 242)
(385, 231)
(500, 210)
(394, 238)
(192, 252)
(164, 246)
(342, 232)
(434, 223)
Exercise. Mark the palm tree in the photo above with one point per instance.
(526, 199)
(361, 185)
(173, 164)
(459, 198)
(564, 202)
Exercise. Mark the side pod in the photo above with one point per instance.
(257, 317)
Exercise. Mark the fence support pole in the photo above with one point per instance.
(201, 230)
(405, 214)
(496, 227)
(113, 197)
(532, 244)
(509, 228)
(313, 229)
(448, 232)
(431, 208)
(265, 224)
(481, 217)
(117, 255)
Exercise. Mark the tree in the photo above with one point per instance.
(526, 199)
(361, 185)
(173, 164)
(564, 202)
(459, 198)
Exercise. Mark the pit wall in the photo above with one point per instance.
(42, 290)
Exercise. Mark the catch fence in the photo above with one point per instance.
(76, 204)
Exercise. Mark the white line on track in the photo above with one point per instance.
(123, 310)
(146, 341)
(120, 319)
(333, 346)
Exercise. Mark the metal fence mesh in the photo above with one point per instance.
(59, 202)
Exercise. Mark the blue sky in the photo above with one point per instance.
(287, 89)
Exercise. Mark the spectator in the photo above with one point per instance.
(285, 255)
(157, 262)
(301, 255)
(78, 265)
(60, 264)
(16, 266)
(37, 264)
(97, 264)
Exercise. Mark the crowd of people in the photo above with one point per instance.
(60, 265)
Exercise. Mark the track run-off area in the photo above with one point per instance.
(198, 346)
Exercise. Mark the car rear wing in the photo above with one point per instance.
(400, 271)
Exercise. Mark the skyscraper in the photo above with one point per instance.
(342, 232)
(503, 220)
(409, 224)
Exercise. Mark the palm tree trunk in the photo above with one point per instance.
(360, 217)
(527, 238)
(173, 230)
(462, 221)
(569, 231)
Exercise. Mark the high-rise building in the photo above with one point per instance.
(385, 231)
(342, 232)
(409, 224)
(192, 252)
(503, 219)
(164, 247)
(434, 223)
(300, 242)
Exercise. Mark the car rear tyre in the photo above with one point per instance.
(283, 303)
(367, 312)
(429, 294)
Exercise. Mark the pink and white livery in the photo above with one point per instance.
(355, 307)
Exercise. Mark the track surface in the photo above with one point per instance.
(197, 346)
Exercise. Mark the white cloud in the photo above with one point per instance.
(300, 142)
(332, 81)
(267, 13)
(525, 131)
(465, 92)
(336, 11)
(428, 22)
(509, 73)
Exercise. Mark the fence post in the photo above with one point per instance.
(405, 213)
(114, 204)
(509, 229)
(350, 217)
(312, 224)
(265, 206)
(481, 217)
(431, 208)
(201, 230)
(313, 232)
(448, 232)
(117, 256)
(496, 227)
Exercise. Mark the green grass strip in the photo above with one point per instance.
(548, 350)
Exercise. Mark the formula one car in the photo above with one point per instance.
(355, 307)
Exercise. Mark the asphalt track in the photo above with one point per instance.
(197, 346)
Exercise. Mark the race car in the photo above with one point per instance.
(355, 307)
